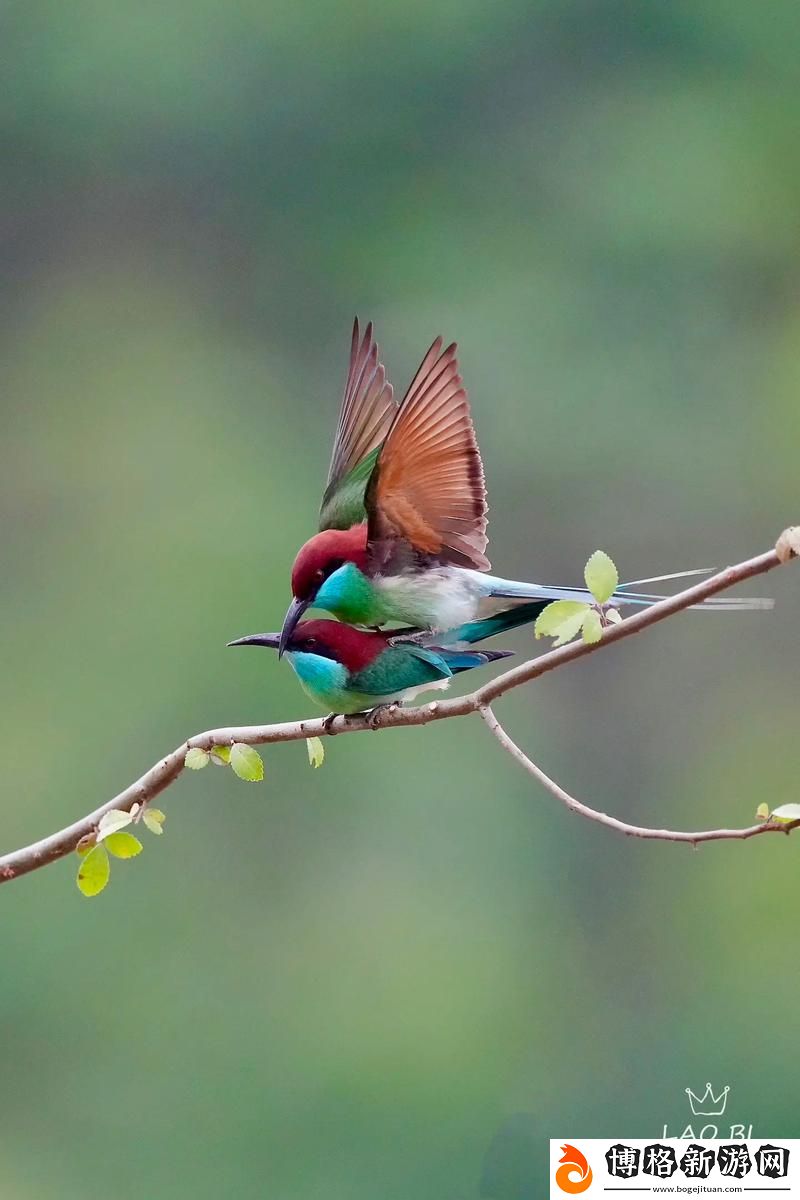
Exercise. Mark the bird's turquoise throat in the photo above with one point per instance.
(350, 596)
(325, 681)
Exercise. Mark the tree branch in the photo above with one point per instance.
(167, 770)
(639, 831)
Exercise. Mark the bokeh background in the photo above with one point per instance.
(398, 975)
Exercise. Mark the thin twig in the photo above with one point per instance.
(167, 770)
(638, 831)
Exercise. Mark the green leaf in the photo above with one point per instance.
(154, 819)
(592, 629)
(762, 812)
(613, 616)
(601, 576)
(246, 762)
(196, 759)
(570, 629)
(562, 620)
(94, 871)
(123, 845)
(111, 821)
(551, 620)
(316, 751)
(221, 755)
(786, 812)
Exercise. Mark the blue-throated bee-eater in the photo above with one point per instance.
(348, 670)
(403, 518)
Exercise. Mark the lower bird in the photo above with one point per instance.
(348, 670)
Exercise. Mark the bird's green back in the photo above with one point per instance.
(398, 668)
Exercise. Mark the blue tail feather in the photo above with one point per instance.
(476, 631)
(465, 660)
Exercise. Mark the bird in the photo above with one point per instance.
(402, 529)
(348, 670)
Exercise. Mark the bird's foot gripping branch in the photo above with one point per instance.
(105, 830)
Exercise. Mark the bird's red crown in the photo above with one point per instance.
(353, 648)
(323, 554)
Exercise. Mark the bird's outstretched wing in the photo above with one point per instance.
(426, 497)
(364, 418)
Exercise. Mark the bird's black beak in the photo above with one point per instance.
(258, 639)
(293, 615)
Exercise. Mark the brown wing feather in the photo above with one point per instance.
(428, 487)
(367, 408)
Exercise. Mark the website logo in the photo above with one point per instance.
(675, 1166)
(572, 1164)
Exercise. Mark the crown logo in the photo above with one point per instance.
(708, 1105)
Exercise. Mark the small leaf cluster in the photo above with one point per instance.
(110, 838)
(244, 760)
(565, 619)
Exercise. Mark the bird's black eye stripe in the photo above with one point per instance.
(322, 573)
(313, 645)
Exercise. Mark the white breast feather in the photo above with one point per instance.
(442, 598)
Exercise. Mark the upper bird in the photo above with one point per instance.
(403, 518)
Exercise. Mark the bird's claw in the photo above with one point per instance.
(373, 717)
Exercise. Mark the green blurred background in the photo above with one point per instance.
(396, 976)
